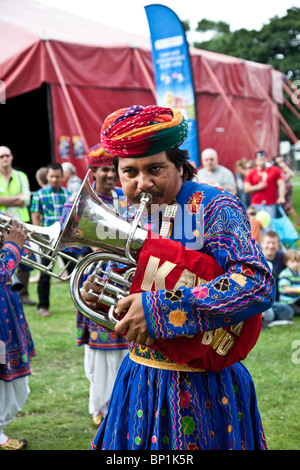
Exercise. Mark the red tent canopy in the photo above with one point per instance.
(93, 69)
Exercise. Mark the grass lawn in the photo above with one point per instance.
(56, 413)
(56, 416)
(296, 204)
(276, 378)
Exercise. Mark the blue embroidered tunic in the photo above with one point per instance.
(160, 407)
(14, 330)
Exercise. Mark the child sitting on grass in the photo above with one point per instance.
(289, 281)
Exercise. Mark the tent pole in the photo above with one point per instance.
(286, 132)
(66, 93)
(289, 92)
(290, 106)
(274, 106)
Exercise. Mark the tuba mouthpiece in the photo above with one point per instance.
(145, 198)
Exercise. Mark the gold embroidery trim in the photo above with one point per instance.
(163, 365)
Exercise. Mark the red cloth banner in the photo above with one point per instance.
(212, 350)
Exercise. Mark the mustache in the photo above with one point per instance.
(154, 194)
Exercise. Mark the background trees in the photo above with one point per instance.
(276, 44)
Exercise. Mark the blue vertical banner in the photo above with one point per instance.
(172, 70)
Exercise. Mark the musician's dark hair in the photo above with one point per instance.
(180, 159)
(54, 166)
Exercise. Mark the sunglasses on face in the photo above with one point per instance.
(261, 154)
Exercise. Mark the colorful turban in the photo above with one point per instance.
(141, 131)
(97, 156)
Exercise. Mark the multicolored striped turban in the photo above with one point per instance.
(97, 156)
(141, 131)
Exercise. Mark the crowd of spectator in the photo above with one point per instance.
(264, 186)
(261, 184)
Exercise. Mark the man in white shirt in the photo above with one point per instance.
(215, 174)
(70, 178)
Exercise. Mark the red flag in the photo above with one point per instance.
(166, 264)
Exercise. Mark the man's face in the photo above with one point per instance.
(54, 178)
(6, 158)
(106, 178)
(155, 174)
(261, 162)
(210, 162)
(293, 265)
(270, 246)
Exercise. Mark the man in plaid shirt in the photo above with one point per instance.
(46, 208)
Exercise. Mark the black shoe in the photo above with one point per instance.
(27, 301)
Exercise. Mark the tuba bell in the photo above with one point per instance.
(41, 243)
(92, 223)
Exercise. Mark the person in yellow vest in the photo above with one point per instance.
(14, 201)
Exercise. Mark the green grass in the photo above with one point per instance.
(296, 205)
(56, 416)
(276, 379)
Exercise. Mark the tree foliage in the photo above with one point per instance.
(277, 44)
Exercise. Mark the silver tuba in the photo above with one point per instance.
(92, 223)
(41, 244)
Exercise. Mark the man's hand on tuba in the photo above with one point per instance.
(89, 291)
(134, 322)
(17, 234)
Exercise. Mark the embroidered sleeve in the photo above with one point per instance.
(9, 259)
(246, 288)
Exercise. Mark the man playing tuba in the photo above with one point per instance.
(159, 403)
